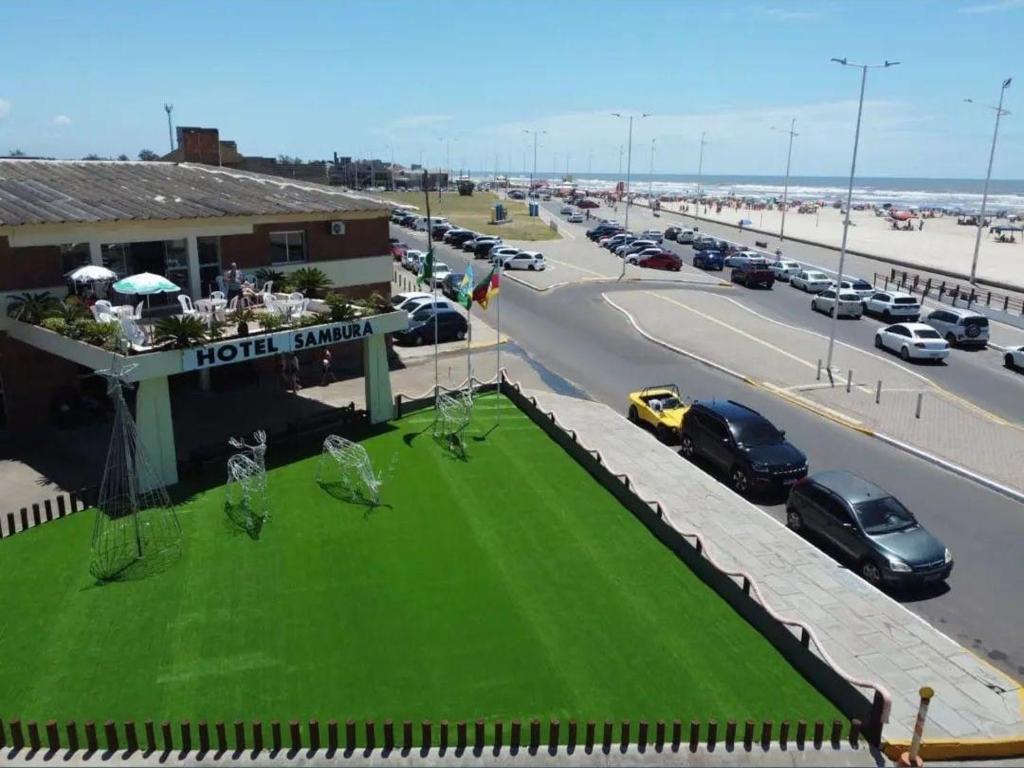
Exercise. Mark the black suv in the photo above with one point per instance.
(742, 443)
(602, 230)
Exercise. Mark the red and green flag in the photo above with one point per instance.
(487, 289)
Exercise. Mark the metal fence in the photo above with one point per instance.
(940, 289)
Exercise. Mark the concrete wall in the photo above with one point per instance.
(25, 269)
(31, 380)
(362, 238)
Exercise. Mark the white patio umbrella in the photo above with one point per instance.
(91, 273)
(145, 284)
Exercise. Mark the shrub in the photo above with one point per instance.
(32, 307)
(263, 274)
(181, 332)
(310, 281)
(271, 322)
(339, 308)
(377, 303)
(241, 317)
(105, 335)
(55, 324)
(318, 318)
(70, 310)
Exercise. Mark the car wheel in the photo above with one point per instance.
(878, 342)
(1008, 361)
(951, 340)
(831, 311)
(887, 316)
(814, 306)
(634, 415)
(794, 520)
(870, 572)
(418, 341)
(904, 354)
(664, 434)
(687, 448)
(460, 334)
(739, 480)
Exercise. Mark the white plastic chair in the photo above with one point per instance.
(132, 333)
(268, 287)
(102, 307)
(187, 307)
(137, 315)
(295, 296)
(217, 295)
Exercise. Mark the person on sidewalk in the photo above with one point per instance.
(294, 370)
(326, 374)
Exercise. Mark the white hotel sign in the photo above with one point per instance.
(250, 348)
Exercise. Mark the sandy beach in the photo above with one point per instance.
(942, 244)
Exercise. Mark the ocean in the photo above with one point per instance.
(965, 194)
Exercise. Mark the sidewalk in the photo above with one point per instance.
(771, 355)
(868, 634)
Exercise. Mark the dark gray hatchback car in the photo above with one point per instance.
(869, 527)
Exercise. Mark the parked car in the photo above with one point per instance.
(575, 218)
(652, 234)
(459, 237)
(398, 250)
(704, 243)
(892, 305)
(659, 259)
(499, 253)
(708, 260)
(565, 210)
(450, 285)
(438, 231)
(531, 260)
(742, 257)
(482, 246)
(401, 300)
(963, 327)
(811, 281)
(453, 233)
(753, 272)
(634, 246)
(414, 305)
(397, 215)
(742, 443)
(602, 230)
(633, 258)
(661, 408)
(784, 269)
(451, 325)
(439, 273)
(411, 260)
(407, 219)
(614, 241)
(913, 341)
(672, 232)
(869, 528)
(685, 236)
(850, 304)
(1014, 358)
(588, 204)
(515, 194)
(862, 288)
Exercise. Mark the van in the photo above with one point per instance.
(963, 327)
(420, 224)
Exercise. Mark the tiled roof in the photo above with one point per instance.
(87, 191)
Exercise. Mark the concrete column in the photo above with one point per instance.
(377, 379)
(194, 284)
(156, 428)
(96, 252)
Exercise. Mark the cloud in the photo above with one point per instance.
(786, 14)
(5, 108)
(996, 7)
(62, 120)
(418, 121)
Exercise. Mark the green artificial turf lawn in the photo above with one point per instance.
(509, 585)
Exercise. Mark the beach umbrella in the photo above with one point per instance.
(91, 273)
(745, 222)
(145, 284)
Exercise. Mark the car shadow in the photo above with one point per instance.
(766, 496)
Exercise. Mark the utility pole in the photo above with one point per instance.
(535, 133)
(629, 166)
(988, 176)
(168, 108)
(650, 176)
(785, 186)
(700, 162)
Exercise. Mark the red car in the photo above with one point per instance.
(398, 251)
(664, 260)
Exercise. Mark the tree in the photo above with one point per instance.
(92, 156)
(122, 156)
(289, 160)
(148, 155)
(17, 153)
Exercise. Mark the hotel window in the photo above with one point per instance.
(73, 256)
(115, 258)
(287, 247)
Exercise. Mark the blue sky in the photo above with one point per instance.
(410, 78)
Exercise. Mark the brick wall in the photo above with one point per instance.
(363, 237)
(24, 269)
(31, 379)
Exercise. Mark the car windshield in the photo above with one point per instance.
(927, 333)
(860, 285)
(849, 297)
(668, 403)
(756, 432)
(904, 300)
(816, 276)
(441, 267)
(883, 515)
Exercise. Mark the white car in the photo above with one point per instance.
(850, 304)
(913, 341)
(414, 305)
(685, 236)
(411, 260)
(783, 270)
(565, 210)
(862, 288)
(740, 258)
(531, 260)
(401, 300)
(440, 272)
(892, 305)
(811, 281)
(1014, 358)
(635, 246)
(634, 258)
(575, 218)
(501, 252)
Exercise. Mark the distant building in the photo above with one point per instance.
(360, 174)
(204, 145)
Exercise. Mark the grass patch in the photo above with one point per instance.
(475, 213)
(508, 585)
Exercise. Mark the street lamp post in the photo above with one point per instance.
(785, 185)
(629, 167)
(849, 199)
(988, 176)
(650, 178)
(700, 163)
(533, 173)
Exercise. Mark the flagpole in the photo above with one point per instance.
(469, 347)
(497, 378)
(429, 258)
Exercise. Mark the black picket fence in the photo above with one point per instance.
(109, 738)
(950, 290)
(46, 511)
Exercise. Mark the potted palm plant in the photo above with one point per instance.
(242, 317)
(32, 307)
(309, 281)
(181, 332)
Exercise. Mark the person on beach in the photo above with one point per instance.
(920, 225)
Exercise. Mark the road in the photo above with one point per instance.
(574, 334)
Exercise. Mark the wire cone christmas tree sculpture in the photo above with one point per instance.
(452, 416)
(137, 530)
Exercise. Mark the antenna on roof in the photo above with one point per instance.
(168, 108)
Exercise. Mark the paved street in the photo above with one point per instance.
(572, 332)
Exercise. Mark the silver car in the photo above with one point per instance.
(963, 327)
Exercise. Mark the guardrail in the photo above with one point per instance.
(939, 289)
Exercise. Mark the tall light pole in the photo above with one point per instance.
(988, 176)
(535, 133)
(650, 175)
(629, 167)
(849, 197)
(700, 161)
(168, 108)
(785, 186)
